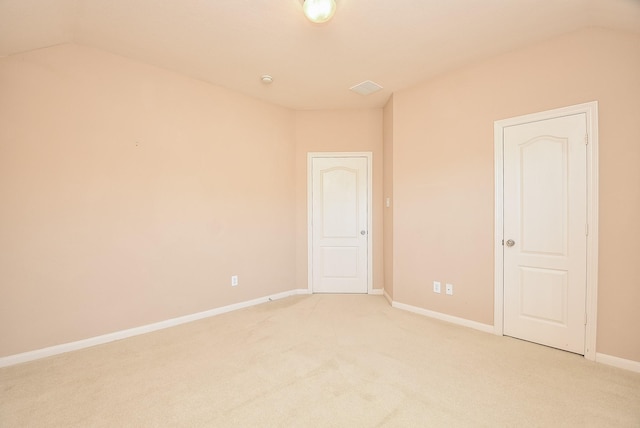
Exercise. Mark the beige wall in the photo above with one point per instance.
(338, 131)
(130, 195)
(443, 174)
(388, 194)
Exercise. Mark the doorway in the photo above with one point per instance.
(546, 228)
(339, 222)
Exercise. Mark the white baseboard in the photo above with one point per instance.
(376, 291)
(618, 362)
(123, 334)
(388, 297)
(444, 317)
(610, 360)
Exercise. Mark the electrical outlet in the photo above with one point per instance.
(449, 289)
(234, 280)
(436, 286)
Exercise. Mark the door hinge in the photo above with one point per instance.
(586, 139)
(586, 229)
(585, 318)
(503, 242)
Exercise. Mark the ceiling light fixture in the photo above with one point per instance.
(319, 11)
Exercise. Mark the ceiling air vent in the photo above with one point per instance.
(365, 88)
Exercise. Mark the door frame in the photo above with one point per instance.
(315, 155)
(591, 111)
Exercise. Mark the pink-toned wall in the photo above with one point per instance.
(131, 194)
(338, 131)
(443, 174)
(388, 197)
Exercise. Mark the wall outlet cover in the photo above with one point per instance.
(436, 286)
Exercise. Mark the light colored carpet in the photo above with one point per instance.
(318, 361)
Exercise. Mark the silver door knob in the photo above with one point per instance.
(510, 243)
(363, 232)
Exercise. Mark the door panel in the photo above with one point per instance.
(544, 295)
(543, 173)
(339, 225)
(339, 190)
(545, 215)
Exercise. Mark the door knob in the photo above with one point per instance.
(363, 232)
(510, 243)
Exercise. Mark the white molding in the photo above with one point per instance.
(388, 297)
(310, 222)
(310, 157)
(377, 292)
(590, 109)
(593, 192)
(444, 317)
(136, 331)
(498, 248)
(618, 362)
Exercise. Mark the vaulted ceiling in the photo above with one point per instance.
(232, 43)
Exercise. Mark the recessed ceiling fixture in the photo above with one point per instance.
(365, 88)
(319, 11)
(266, 79)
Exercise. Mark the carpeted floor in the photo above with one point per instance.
(318, 361)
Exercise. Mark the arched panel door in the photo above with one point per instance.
(340, 231)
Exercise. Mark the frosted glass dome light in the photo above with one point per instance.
(319, 11)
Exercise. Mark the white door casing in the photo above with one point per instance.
(546, 208)
(339, 222)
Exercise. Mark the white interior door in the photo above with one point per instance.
(545, 220)
(339, 222)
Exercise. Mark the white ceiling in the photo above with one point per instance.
(231, 43)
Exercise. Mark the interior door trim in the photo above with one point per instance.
(310, 157)
(591, 111)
